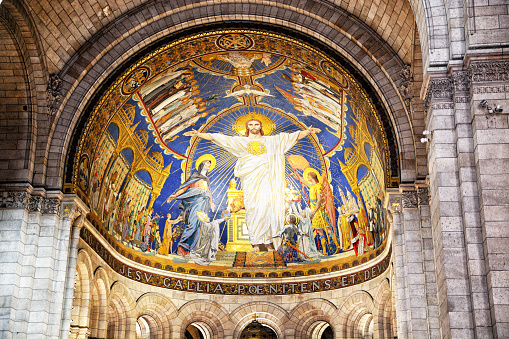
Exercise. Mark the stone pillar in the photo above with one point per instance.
(470, 204)
(415, 269)
(489, 81)
(28, 223)
(400, 268)
(450, 257)
(78, 211)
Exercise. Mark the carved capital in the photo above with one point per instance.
(51, 206)
(73, 207)
(409, 199)
(438, 89)
(461, 81)
(423, 196)
(14, 199)
(35, 203)
(489, 71)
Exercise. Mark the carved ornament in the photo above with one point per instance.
(489, 71)
(409, 199)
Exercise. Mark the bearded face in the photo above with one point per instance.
(254, 127)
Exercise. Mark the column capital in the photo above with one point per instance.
(73, 207)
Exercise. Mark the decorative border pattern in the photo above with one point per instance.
(234, 288)
(29, 202)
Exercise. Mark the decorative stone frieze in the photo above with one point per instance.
(53, 93)
(443, 105)
(14, 199)
(438, 89)
(51, 206)
(409, 199)
(423, 196)
(461, 81)
(35, 203)
(489, 71)
(491, 89)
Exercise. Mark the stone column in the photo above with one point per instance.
(450, 257)
(417, 259)
(400, 268)
(470, 204)
(490, 81)
(74, 213)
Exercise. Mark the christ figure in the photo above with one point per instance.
(261, 168)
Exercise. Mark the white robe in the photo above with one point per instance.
(263, 181)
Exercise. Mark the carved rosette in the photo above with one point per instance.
(423, 196)
(409, 199)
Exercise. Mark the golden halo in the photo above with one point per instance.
(240, 124)
(208, 157)
(309, 170)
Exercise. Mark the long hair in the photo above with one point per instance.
(247, 130)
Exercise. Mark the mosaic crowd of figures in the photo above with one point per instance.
(192, 120)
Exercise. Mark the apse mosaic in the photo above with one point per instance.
(236, 151)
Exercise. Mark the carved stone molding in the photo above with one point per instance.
(443, 105)
(409, 199)
(461, 81)
(51, 206)
(14, 199)
(461, 99)
(423, 196)
(29, 201)
(405, 87)
(438, 89)
(491, 89)
(53, 93)
(489, 71)
(35, 203)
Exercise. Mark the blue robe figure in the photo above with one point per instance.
(287, 250)
(195, 197)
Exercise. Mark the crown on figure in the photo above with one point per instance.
(202, 216)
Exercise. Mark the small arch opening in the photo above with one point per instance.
(257, 330)
(198, 330)
(321, 330)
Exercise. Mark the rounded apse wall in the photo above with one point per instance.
(307, 194)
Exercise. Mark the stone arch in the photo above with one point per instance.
(383, 310)
(99, 307)
(380, 65)
(352, 311)
(207, 312)
(122, 304)
(158, 307)
(267, 313)
(83, 290)
(309, 314)
(28, 105)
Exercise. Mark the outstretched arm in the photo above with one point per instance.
(307, 131)
(195, 133)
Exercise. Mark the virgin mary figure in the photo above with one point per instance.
(195, 196)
